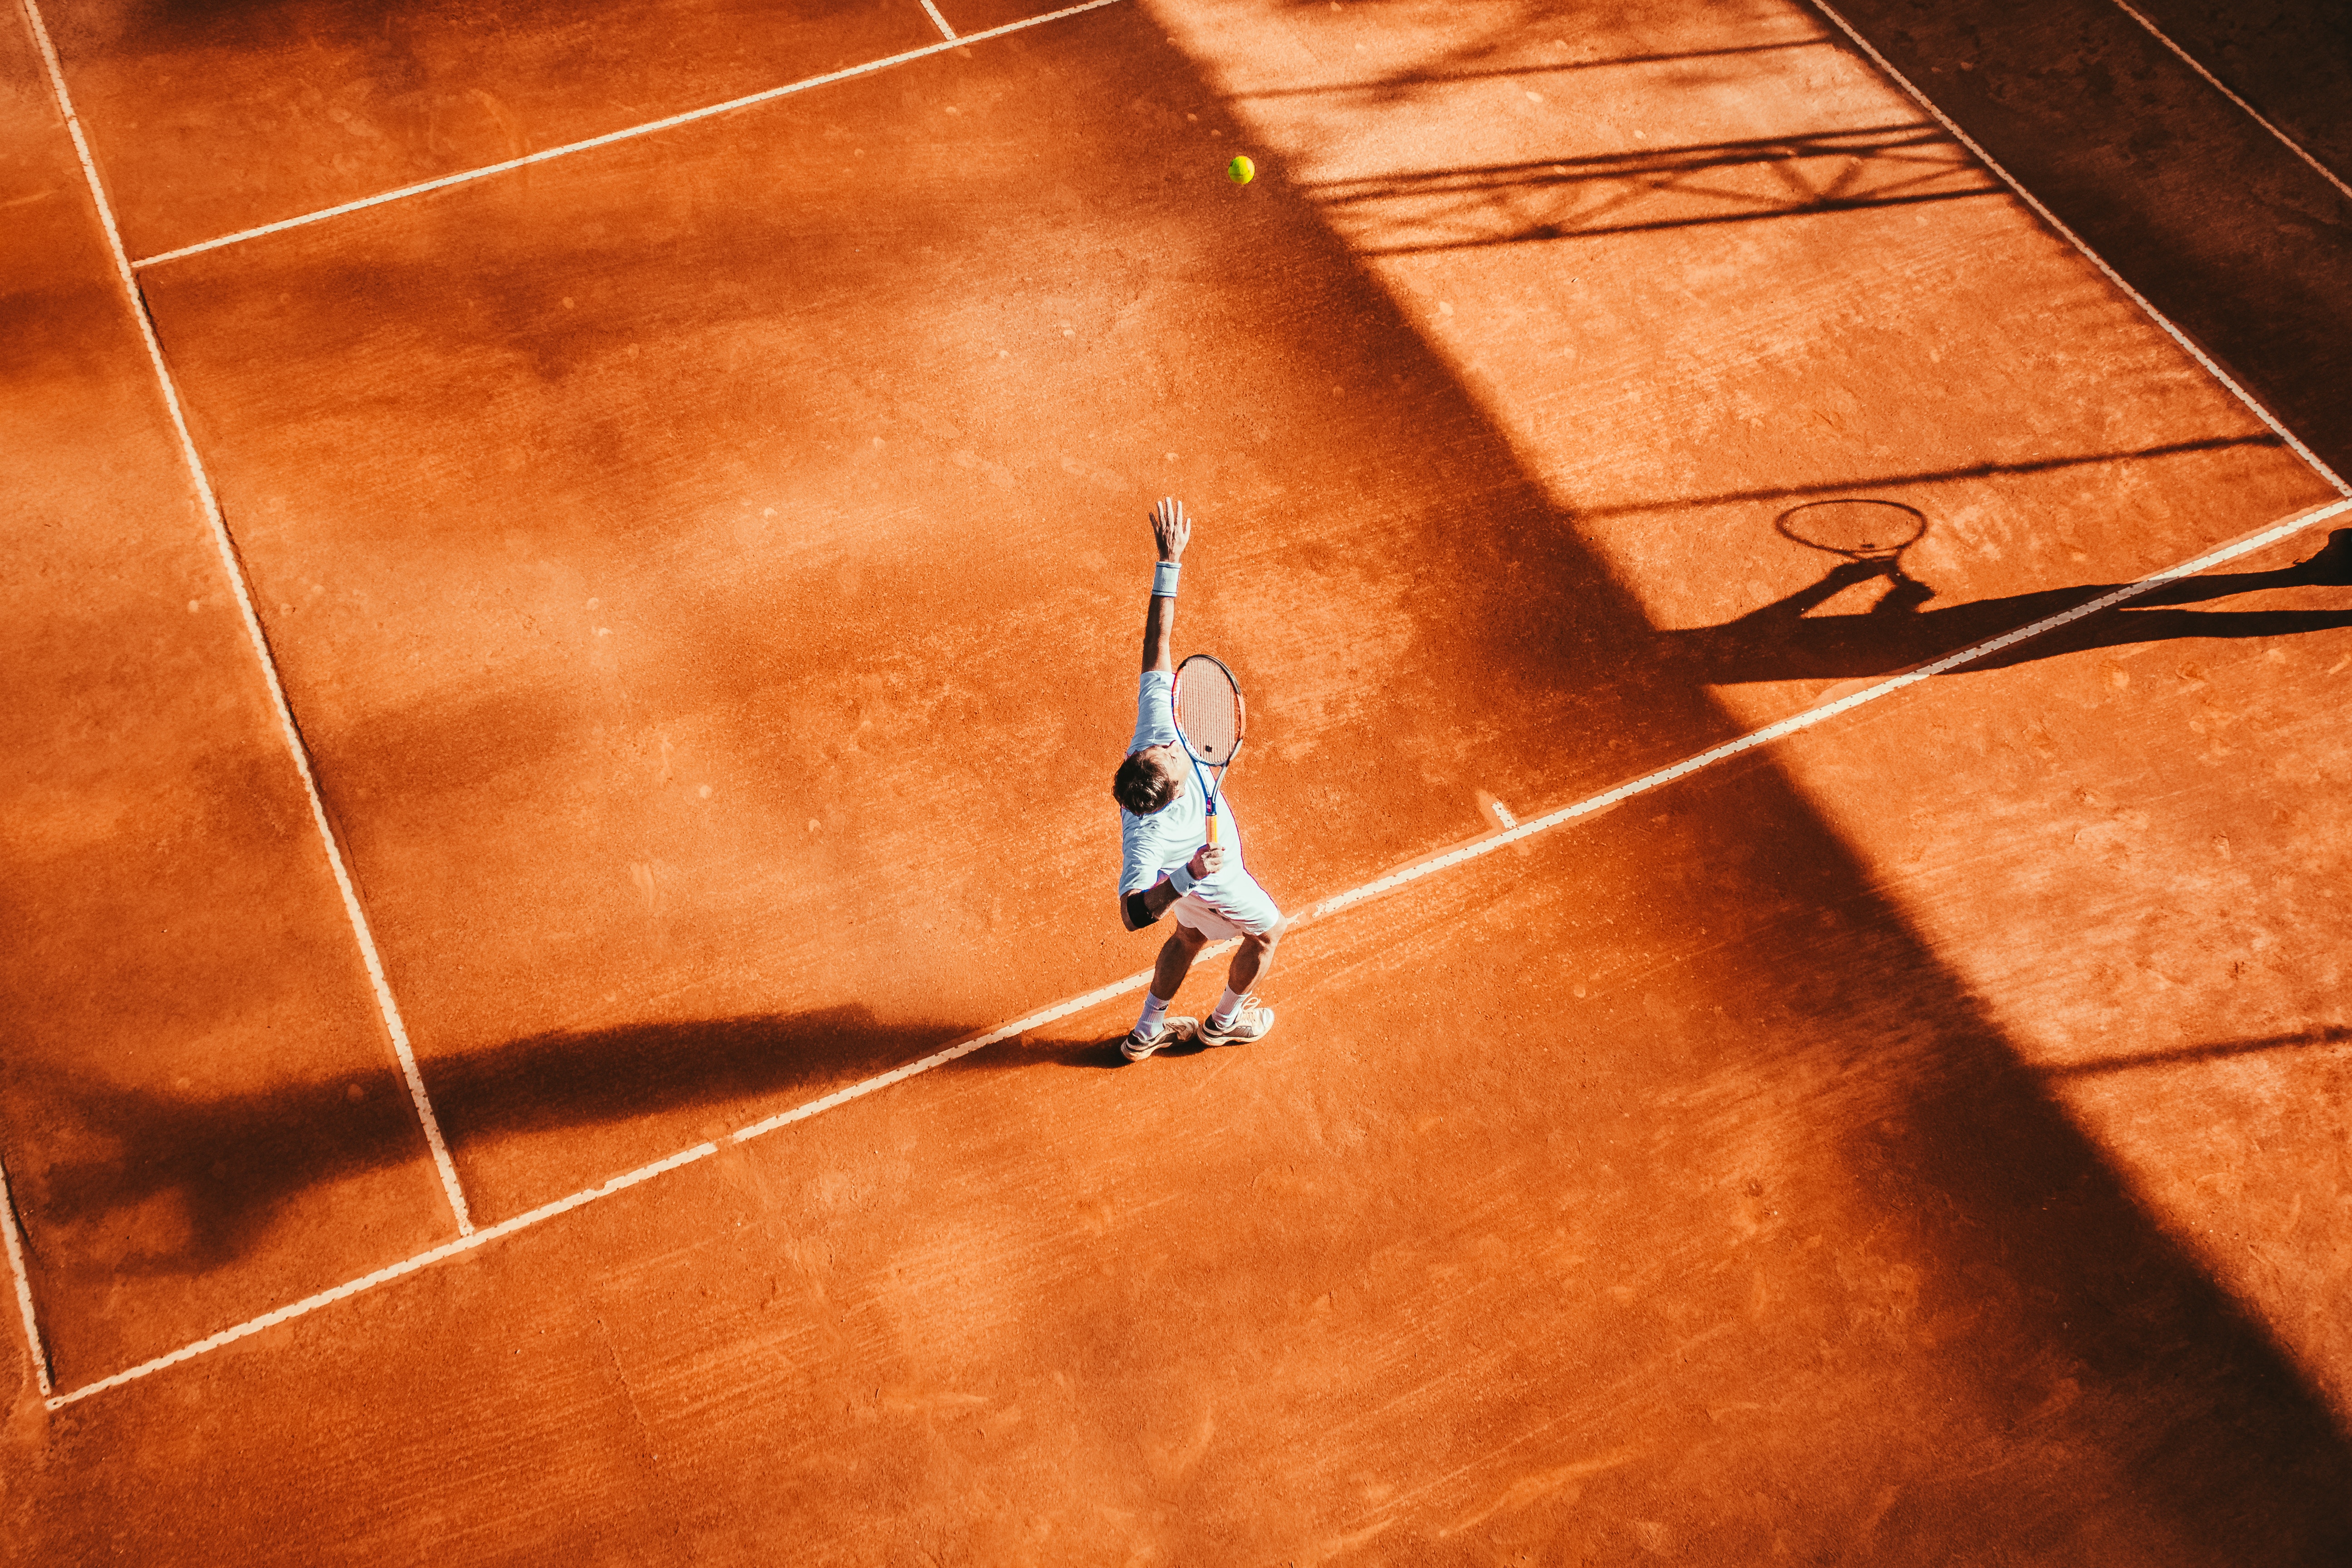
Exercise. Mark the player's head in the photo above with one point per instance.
(1148, 779)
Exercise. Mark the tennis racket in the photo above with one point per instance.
(1210, 717)
(1857, 529)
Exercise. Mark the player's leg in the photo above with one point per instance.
(1254, 960)
(1175, 962)
(1238, 1017)
(1155, 1029)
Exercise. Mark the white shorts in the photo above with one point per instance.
(1228, 904)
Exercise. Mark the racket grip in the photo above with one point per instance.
(1216, 833)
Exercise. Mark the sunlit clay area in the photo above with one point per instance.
(941, 784)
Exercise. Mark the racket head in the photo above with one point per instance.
(1856, 529)
(1210, 713)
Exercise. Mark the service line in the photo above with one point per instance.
(1415, 872)
(2092, 257)
(234, 569)
(689, 117)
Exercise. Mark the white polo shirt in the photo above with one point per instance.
(1151, 847)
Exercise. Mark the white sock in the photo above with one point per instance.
(1227, 1005)
(1154, 1009)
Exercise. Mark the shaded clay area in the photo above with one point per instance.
(708, 574)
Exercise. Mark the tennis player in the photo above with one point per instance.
(1167, 862)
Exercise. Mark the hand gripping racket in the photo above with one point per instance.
(1210, 716)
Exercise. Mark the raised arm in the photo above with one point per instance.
(1172, 529)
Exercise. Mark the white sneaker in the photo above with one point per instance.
(1173, 1031)
(1251, 1022)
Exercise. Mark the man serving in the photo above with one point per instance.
(1168, 862)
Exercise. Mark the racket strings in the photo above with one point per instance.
(1208, 712)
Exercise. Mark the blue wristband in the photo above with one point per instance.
(1163, 580)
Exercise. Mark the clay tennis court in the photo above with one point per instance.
(574, 586)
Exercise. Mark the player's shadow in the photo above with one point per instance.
(183, 1182)
(1785, 641)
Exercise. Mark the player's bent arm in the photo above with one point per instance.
(1146, 905)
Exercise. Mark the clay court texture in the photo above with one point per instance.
(572, 591)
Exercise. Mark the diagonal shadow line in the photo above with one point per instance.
(1861, 141)
(1441, 79)
(1924, 477)
(1551, 232)
(2334, 1035)
(1674, 178)
(2099, 1282)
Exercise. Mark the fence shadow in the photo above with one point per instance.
(1646, 189)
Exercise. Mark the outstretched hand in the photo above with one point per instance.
(1172, 528)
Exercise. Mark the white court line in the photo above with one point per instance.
(941, 22)
(24, 1283)
(234, 569)
(466, 1243)
(2220, 86)
(2092, 257)
(609, 138)
(1414, 873)
(1828, 711)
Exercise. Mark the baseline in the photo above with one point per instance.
(233, 570)
(1484, 845)
(609, 138)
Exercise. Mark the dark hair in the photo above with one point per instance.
(1140, 787)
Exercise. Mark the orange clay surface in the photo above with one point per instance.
(706, 572)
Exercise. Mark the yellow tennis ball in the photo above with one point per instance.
(1241, 170)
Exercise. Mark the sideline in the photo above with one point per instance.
(23, 1285)
(233, 570)
(2289, 143)
(1485, 845)
(689, 117)
(1952, 126)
